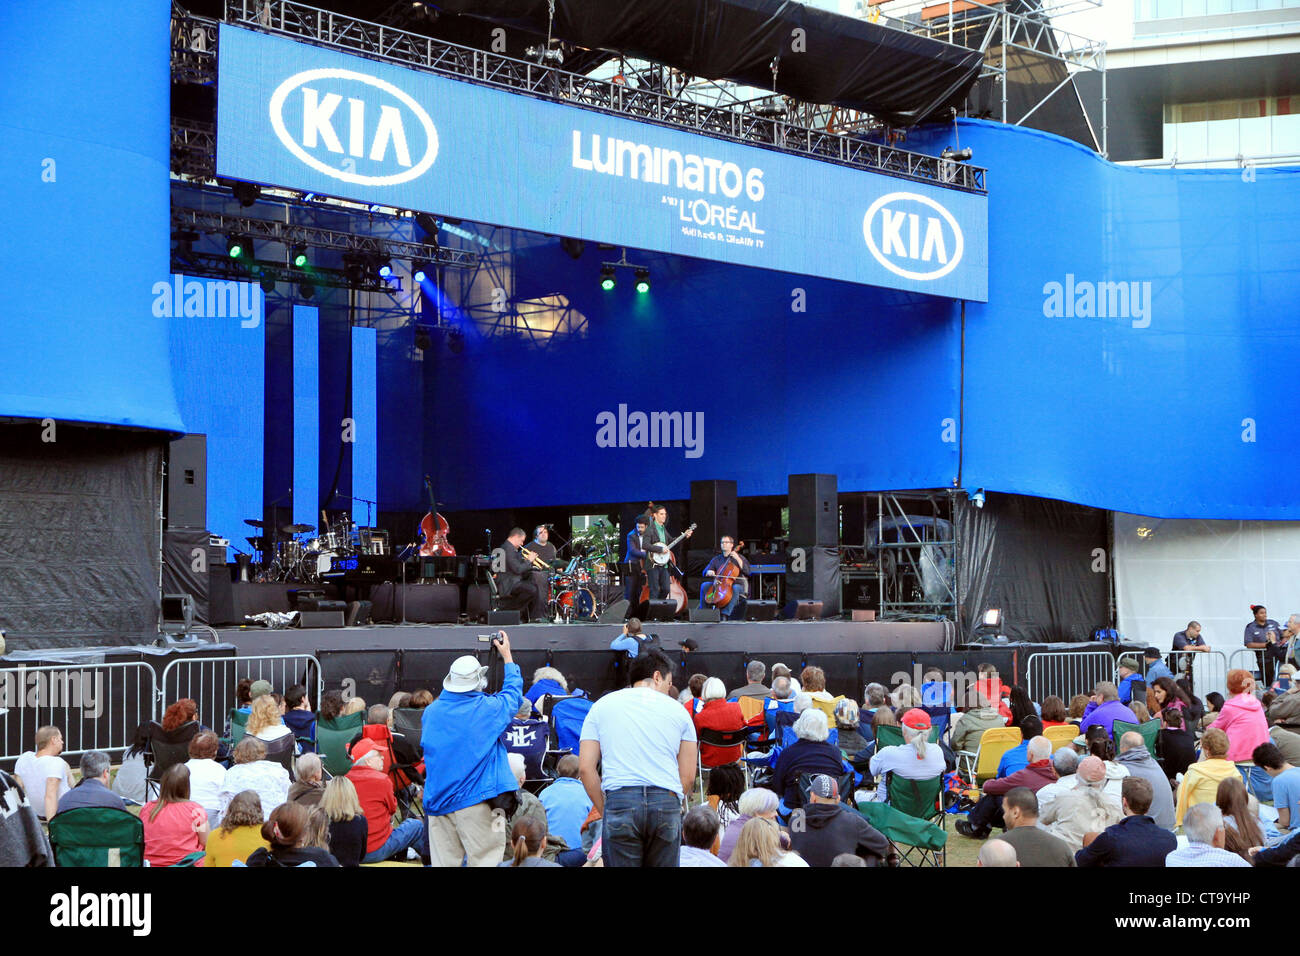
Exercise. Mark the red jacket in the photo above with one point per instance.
(720, 715)
(375, 791)
(1036, 776)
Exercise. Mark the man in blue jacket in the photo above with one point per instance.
(465, 761)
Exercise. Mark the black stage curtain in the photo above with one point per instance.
(1034, 559)
(78, 535)
(900, 77)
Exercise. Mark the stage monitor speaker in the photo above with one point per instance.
(430, 603)
(615, 613)
(478, 601)
(664, 609)
(808, 610)
(860, 616)
(320, 604)
(705, 615)
(302, 594)
(504, 618)
(359, 613)
(187, 484)
(713, 508)
(760, 611)
(320, 618)
(814, 510)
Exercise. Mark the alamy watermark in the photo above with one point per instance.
(624, 429)
(207, 299)
(1100, 300)
(49, 690)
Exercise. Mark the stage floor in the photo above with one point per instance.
(766, 637)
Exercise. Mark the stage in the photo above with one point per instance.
(759, 637)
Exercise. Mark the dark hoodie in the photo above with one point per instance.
(830, 829)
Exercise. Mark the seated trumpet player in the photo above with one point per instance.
(516, 586)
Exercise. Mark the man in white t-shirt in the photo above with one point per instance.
(644, 742)
(45, 775)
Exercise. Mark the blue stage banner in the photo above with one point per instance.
(302, 117)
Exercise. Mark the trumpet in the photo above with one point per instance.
(533, 558)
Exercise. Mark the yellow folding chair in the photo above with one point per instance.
(827, 707)
(1061, 736)
(982, 765)
(751, 707)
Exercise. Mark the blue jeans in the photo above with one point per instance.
(733, 608)
(407, 834)
(642, 826)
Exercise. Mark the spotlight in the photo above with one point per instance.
(428, 224)
(419, 275)
(956, 155)
(643, 280)
(246, 193)
(298, 256)
(423, 341)
(238, 247)
(306, 289)
(267, 281)
(421, 270)
(385, 271)
(574, 247)
(977, 499)
(607, 281)
(455, 341)
(354, 267)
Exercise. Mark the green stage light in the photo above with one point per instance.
(607, 281)
(643, 280)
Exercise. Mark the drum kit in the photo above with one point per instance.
(305, 554)
(580, 591)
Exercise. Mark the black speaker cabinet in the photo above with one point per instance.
(478, 601)
(430, 603)
(320, 618)
(664, 609)
(818, 581)
(760, 611)
(504, 618)
(705, 615)
(814, 510)
(187, 483)
(713, 508)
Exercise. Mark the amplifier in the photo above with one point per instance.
(320, 618)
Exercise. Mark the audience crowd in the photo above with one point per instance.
(776, 772)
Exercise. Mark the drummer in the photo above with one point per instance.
(541, 544)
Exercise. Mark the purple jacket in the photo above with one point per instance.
(1105, 715)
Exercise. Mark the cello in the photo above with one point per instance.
(719, 592)
(434, 529)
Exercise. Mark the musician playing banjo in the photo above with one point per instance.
(734, 560)
(656, 542)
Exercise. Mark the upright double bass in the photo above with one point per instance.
(434, 530)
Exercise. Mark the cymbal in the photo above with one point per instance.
(297, 528)
(253, 523)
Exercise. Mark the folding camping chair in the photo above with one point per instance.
(1061, 736)
(332, 739)
(917, 842)
(97, 837)
(530, 739)
(982, 765)
(165, 750)
(1150, 731)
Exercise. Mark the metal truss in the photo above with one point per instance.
(223, 267)
(1011, 40)
(485, 297)
(658, 106)
(194, 48)
(194, 149)
(290, 234)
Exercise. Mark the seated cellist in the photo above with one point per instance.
(728, 567)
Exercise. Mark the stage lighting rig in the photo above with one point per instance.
(609, 273)
(956, 155)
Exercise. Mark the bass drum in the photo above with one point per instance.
(315, 563)
(578, 604)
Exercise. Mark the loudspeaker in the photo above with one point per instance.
(713, 508)
(760, 611)
(819, 581)
(320, 604)
(504, 618)
(705, 615)
(664, 609)
(814, 510)
(808, 610)
(303, 594)
(430, 603)
(359, 612)
(187, 484)
(615, 613)
(478, 601)
(320, 618)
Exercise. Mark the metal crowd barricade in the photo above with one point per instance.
(96, 706)
(1207, 670)
(211, 681)
(1066, 673)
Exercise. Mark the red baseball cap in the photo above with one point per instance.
(916, 719)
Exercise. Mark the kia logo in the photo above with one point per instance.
(353, 127)
(908, 239)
